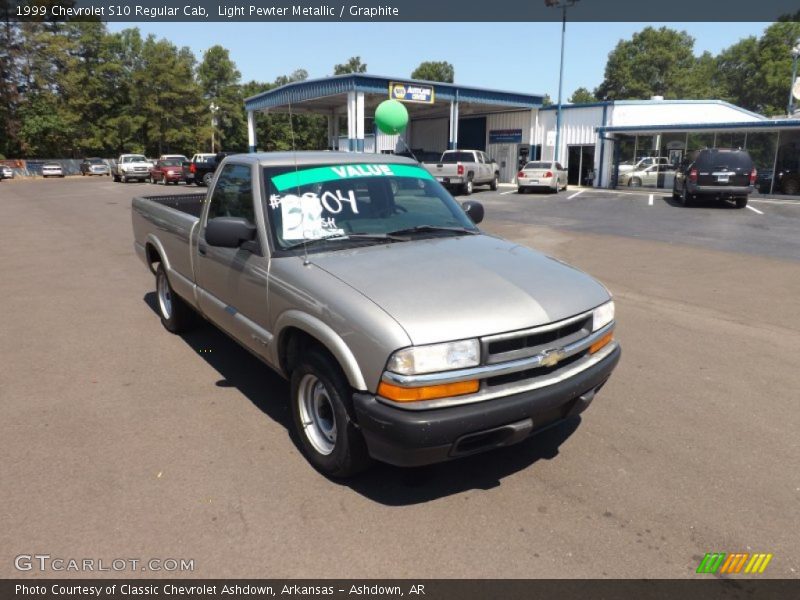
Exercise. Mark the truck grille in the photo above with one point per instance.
(523, 344)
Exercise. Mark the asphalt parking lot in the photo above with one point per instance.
(121, 440)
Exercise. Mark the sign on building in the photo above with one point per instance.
(505, 136)
(411, 92)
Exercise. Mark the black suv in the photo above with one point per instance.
(719, 173)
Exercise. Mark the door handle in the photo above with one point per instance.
(202, 249)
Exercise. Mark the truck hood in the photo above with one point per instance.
(461, 287)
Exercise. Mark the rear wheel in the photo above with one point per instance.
(323, 417)
(791, 186)
(635, 182)
(741, 202)
(685, 198)
(467, 187)
(494, 184)
(176, 316)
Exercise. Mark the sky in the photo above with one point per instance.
(519, 57)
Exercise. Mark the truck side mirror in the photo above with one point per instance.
(474, 210)
(229, 232)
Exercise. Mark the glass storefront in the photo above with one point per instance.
(649, 160)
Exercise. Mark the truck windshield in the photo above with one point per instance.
(133, 158)
(454, 157)
(340, 200)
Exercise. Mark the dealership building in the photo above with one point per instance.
(514, 127)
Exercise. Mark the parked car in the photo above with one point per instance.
(464, 169)
(659, 175)
(720, 173)
(188, 174)
(542, 175)
(167, 171)
(407, 334)
(94, 166)
(642, 163)
(202, 171)
(6, 172)
(52, 170)
(131, 167)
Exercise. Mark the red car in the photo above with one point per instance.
(168, 170)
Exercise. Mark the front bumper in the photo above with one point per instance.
(411, 438)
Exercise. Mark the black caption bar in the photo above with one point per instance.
(430, 589)
(398, 10)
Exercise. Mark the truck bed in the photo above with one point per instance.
(191, 204)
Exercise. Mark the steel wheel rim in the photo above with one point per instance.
(164, 296)
(317, 415)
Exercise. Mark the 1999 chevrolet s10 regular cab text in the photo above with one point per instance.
(408, 334)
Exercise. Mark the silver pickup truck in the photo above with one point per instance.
(462, 170)
(408, 334)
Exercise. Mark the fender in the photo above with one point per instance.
(327, 336)
(152, 239)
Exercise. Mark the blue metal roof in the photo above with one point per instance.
(310, 89)
(765, 124)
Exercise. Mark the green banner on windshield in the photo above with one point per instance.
(296, 179)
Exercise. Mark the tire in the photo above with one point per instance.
(741, 202)
(207, 179)
(123, 178)
(635, 182)
(494, 184)
(791, 186)
(176, 315)
(163, 180)
(150, 179)
(115, 177)
(675, 194)
(323, 417)
(466, 189)
(520, 190)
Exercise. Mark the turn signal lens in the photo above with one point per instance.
(428, 392)
(602, 342)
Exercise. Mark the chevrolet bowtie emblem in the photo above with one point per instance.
(552, 356)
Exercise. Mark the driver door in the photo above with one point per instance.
(232, 282)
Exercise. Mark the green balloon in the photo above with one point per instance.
(391, 117)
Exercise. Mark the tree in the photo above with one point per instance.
(652, 62)
(434, 71)
(353, 65)
(219, 80)
(581, 96)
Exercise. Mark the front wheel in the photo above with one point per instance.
(635, 182)
(323, 417)
(176, 316)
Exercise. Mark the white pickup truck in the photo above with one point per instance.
(464, 169)
(131, 167)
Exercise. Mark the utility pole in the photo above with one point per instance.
(563, 5)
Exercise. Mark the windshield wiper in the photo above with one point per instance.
(338, 237)
(433, 228)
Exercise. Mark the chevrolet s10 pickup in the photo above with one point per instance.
(409, 335)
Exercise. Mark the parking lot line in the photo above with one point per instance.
(578, 193)
(508, 192)
(650, 201)
(755, 210)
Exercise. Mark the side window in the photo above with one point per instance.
(559, 167)
(479, 157)
(233, 194)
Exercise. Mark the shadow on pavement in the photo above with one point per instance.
(386, 484)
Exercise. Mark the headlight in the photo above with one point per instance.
(603, 315)
(436, 357)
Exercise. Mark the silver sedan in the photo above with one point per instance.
(542, 175)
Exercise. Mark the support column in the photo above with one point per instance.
(452, 144)
(359, 121)
(351, 121)
(251, 131)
